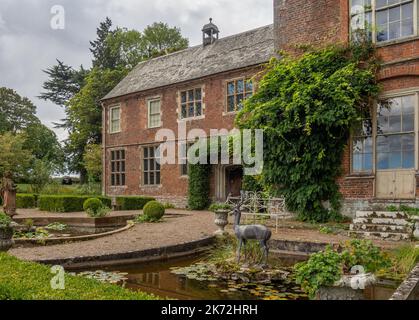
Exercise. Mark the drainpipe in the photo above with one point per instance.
(103, 149)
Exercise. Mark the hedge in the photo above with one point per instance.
(132, 203)
(26, 201)
(67, 203)
(30, 281)
(199, 186)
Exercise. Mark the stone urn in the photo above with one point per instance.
(6, 238)
(221, 221)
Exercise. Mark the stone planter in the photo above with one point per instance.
(6, 239)
(347, 288)
(221, 221)
(416, 227)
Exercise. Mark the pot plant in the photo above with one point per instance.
(6, 232)
(221, 211)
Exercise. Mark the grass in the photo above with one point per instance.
(21, 280)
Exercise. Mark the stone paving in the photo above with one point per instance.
(178, 227)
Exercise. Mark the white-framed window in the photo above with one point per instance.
(118, 168)
(384, 20)
(362, 147)
(115, 119)
(237, 91)
(191, 103)
(154, 113)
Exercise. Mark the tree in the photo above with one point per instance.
(92, 160)
(103, 57)
(85, 114)
(63, 83)
(44, 145)
(160, 39)
(307, 107)
(40, 175)
(14, 158)
(16, 112)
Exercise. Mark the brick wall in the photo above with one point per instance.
(321, 22)
(135, 134)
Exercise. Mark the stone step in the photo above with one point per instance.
(382, 221)
(380, 236)
(381, 215)
(381, 228)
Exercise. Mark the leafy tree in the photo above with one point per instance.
(92, 160)
(44, 145)
(14, 158)
(307, 107)
(40, 175)
(85, 114)
(16, 112)
(161, 39)
(63, 83)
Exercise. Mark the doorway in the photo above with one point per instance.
(234, 180)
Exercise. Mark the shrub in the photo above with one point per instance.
(95, 208)
(199, 184)
(26, 201)
(30, 281)
(132, 203)
(327, 267)
(66, 203)
(154, 211)
(5, 220)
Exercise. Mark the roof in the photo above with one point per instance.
(230, 53)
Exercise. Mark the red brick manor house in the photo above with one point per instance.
(204, 86)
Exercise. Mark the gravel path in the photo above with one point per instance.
(178, 227)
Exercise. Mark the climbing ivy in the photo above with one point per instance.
(307, 107)
(199, 185)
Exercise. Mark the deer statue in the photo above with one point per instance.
(250, 232)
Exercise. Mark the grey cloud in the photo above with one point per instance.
(28, 44)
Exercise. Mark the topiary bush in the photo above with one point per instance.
(26, 201)
(95, 208)
(5, 220)
(154, 211)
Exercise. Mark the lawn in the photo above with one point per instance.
(21, 280)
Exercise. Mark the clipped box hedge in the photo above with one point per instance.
(26, 201)
(30, 281)
(132, 203)
(66, 203)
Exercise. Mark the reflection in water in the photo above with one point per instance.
(158, 279)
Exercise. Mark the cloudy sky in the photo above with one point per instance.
(28, 44)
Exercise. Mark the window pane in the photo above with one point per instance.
(382, 17)
(152, 163)
(123, 179)
(198, 109)
(357, 163)
(249, 86)
(240, 86)
(115, 113)
(395, 160)
(394, 30)
(183, 97)
(368, 160)
(382, 33)
(381, 3)
(407, 28)
(394, 14)
(191, 110)
(191, 95)
(184, 113)
(198, 94)
(146, 180)
(158, 178)
(146, 167)
(117, 181)
(408, 160)
(408, 122)
(407, 11)
(395, 124)
(151, 152)
(239, 101)
(230, 88)
(145, 152)
(230, 104)
(123, 166)
(123, 154)
(152, 181)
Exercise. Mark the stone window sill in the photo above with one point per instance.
(396, 41)
(360, 176)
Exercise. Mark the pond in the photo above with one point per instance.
(159, 279)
